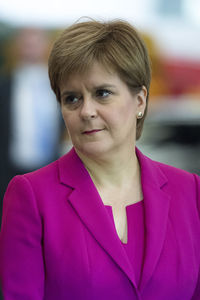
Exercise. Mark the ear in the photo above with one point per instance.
(141, 100)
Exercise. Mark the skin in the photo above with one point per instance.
(100, 114)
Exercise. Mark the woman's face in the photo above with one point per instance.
(100, 112)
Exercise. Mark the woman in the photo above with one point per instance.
(104, 221)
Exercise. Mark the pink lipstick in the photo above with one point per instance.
(92, 131)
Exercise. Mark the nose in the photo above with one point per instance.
(88, 109)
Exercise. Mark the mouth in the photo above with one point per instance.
(91, 131)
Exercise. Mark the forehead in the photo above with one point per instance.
(97, 74)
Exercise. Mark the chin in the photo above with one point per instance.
(93, 150)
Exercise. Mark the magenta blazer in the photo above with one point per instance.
(57, 240)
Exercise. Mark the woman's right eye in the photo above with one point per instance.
(71, 99)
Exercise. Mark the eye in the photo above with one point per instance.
(72, 101)
(103, 93)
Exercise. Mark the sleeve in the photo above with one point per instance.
(196, 295)
(197, 178)
(21, 254)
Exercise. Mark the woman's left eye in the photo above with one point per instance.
(103, 93)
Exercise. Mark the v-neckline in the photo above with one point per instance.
(127, 209)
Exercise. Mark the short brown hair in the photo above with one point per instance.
(115, 44)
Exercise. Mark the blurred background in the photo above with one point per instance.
(32, 131)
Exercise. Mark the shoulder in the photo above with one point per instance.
(41, 181)
(179, 183)
(67, 166)
(25, 185)
(174, 173)
(63, 170)
(179, 179)
(48, 173)
(36, 190)
(155, 168)
(182, 185)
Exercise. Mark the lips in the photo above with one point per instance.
(91, 131)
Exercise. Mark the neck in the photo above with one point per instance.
(117, 170)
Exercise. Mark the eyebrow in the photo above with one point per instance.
(103, 86)
(98, 87)
(68, 93)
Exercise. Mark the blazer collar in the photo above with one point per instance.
(90, 208)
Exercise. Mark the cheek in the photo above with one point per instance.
(68, 119)
(68, 124)
(129, 110)
(124, 115)
(127, 120)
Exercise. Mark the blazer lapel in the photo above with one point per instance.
(90, 208)
(156, 205)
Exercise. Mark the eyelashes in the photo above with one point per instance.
(103, 93)
(74, 100)
(71, 99)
